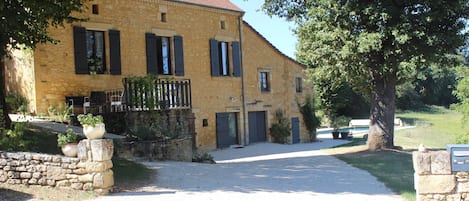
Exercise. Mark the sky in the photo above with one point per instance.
(276, 30)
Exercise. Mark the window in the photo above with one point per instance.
(222, 25)
(165, 56)
(220, 58)
(224, 59)
(299, 84)
(95, 9)
(160, 51)
(264, 81)
(163, 17)
(90, 51)
(95, 53)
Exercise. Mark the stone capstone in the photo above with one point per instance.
(440, 162)
(422, 162)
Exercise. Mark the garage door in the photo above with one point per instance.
(227, 132)
(257, 127)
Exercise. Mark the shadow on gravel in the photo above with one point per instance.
(7, 195)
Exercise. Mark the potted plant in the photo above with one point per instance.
(336, 123)
(68, 143)
(93, 126)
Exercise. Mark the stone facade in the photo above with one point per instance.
(175, 140)
(434, 180)
(55, 75)
(91, 171)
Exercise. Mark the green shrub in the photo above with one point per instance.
(69, 137)
(17, 103)
(339, 121)
(12, 140)
(146, 133)
(280, 129)
(203, 158)
(311, 121)
(90, 120)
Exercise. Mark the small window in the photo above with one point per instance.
(264, 81)
(95, 9)
(163, 17)
(299, 84)
(222, 25)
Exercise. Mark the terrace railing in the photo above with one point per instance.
(158, 94)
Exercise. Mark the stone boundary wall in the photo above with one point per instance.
(90, 171)
(176, 140)
(433, 179)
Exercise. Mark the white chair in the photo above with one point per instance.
(86, 103)
(116, 103)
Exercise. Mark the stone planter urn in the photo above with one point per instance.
(96, 132)
(70, 149)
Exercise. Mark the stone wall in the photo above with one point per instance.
(90, 171)
(434, 180)
(175, 135)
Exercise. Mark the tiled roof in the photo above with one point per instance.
(225, 4)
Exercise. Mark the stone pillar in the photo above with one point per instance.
(95, 156)
(433, 179)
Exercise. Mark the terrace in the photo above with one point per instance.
(157, 94)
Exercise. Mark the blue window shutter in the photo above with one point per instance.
(152, 67)
(115, 52)
(236, 59)
(179, 55)
(214, 58)
(79, 42)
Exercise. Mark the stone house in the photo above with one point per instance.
(238, 79)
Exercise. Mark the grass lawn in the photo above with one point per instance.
(127, 174)
(435, 128)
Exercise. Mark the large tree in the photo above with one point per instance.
(373, 43)
(25, 23)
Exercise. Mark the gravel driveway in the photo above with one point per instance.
(262, 172)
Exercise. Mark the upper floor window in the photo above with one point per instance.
(220, 58)
(165, 56)
(299, 84)
(162, 52)
(95, 52)
(222, 25)
(95, 9)
(264, 81)
(224, 65)
(90, 51)
(163, 17)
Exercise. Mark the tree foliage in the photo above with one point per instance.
(462, 92)
(26, 23)
(375, 44)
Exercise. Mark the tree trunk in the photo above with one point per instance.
(7, 121)
(383, 95)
